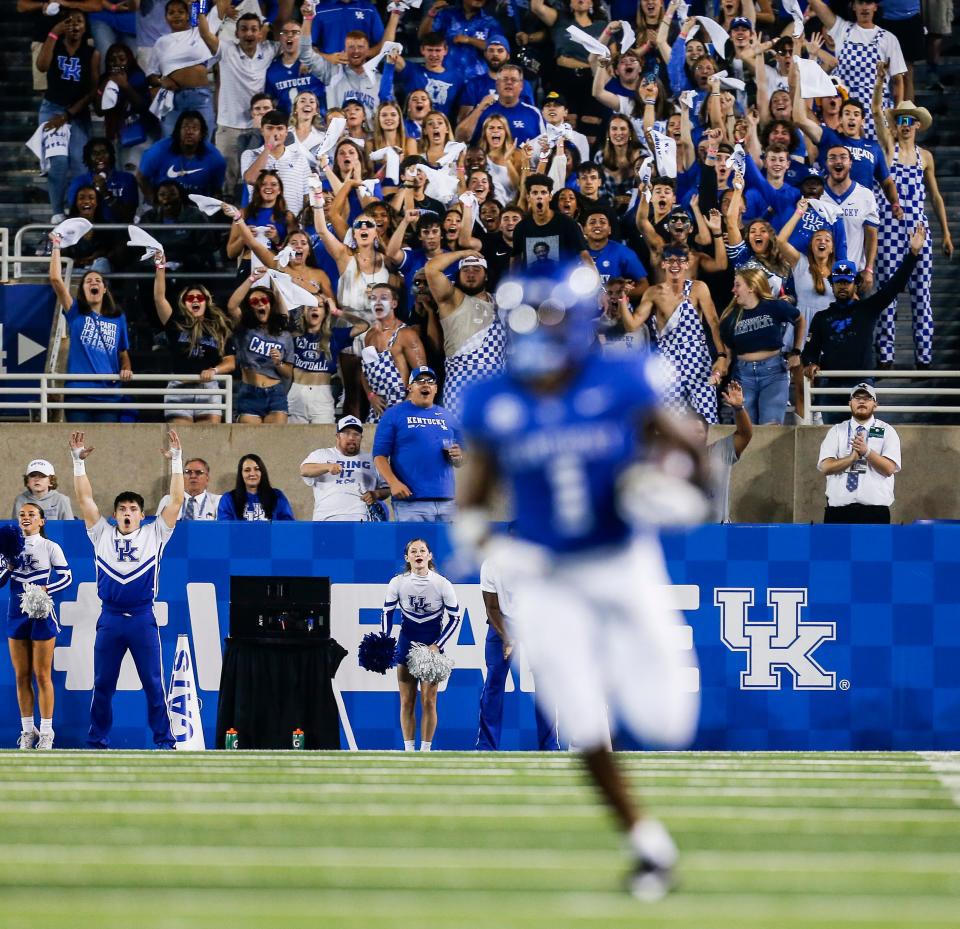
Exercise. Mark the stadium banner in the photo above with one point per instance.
(808, 637)
(26, 317)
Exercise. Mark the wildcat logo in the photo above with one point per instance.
(785, 643)
(418, 604)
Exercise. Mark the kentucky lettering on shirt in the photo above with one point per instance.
(420, 422)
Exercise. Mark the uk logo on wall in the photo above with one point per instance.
(786, 643)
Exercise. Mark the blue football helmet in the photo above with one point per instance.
(551, 323)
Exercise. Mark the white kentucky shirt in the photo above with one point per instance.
(858, 208)
(873, 488)
(128, 566)
(336, 497)
(422, 600)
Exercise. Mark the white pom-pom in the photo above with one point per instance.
(428, 666)
(36, 602)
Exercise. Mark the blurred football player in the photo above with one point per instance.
(566, 430)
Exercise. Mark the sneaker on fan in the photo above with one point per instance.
(28, 739)
(45, 742)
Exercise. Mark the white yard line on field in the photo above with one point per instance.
(486, 859)
(556, 812)
(509, 795)
(946, 766)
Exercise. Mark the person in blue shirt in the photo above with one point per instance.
(417, 446)
(770, 194)
(496, 55)
(441, 82)
(287, 77)
(525, 121)
(185, 157)
(612, 258)
(812, 221)
(467, 27)
(117, 189)
(868, 163)
(254, 498)
(99, 343)
(333, 19)
(563, 432)
(127, 556)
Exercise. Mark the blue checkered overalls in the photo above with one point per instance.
(683, 343)
(857, 70)
(892, 244)
(384, 378)
(479, 357)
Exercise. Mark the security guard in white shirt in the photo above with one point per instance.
(860, 457)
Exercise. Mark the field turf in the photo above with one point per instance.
(249, 840)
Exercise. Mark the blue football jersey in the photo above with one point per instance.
(561, 454)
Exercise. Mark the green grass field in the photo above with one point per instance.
(139, 840)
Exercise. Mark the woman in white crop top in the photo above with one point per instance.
(178, 68)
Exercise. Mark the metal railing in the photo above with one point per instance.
(50, 385)
(809, 389)
(227, 274)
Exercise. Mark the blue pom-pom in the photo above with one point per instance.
(11, 548)
(377, 652)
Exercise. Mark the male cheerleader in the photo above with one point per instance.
(127, 558)
(562, 428)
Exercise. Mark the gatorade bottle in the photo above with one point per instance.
(231, 741)
(298, 738)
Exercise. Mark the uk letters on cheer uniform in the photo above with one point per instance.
(41, 558)
(128, 566)
(421, 602)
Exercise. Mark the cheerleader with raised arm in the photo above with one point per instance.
(39, 571)
(422, 596)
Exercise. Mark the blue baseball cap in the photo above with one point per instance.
(741, 22)
(499, 40)
(422, 371)
(843, 271)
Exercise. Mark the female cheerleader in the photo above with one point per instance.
(31, 640)
(421, 595)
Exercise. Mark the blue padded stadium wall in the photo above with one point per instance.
(852, 640)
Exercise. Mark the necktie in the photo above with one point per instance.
(191, 512)
(853, 477)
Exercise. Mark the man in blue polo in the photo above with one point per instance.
(525, 121)
(417, 446)
(495, 55)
